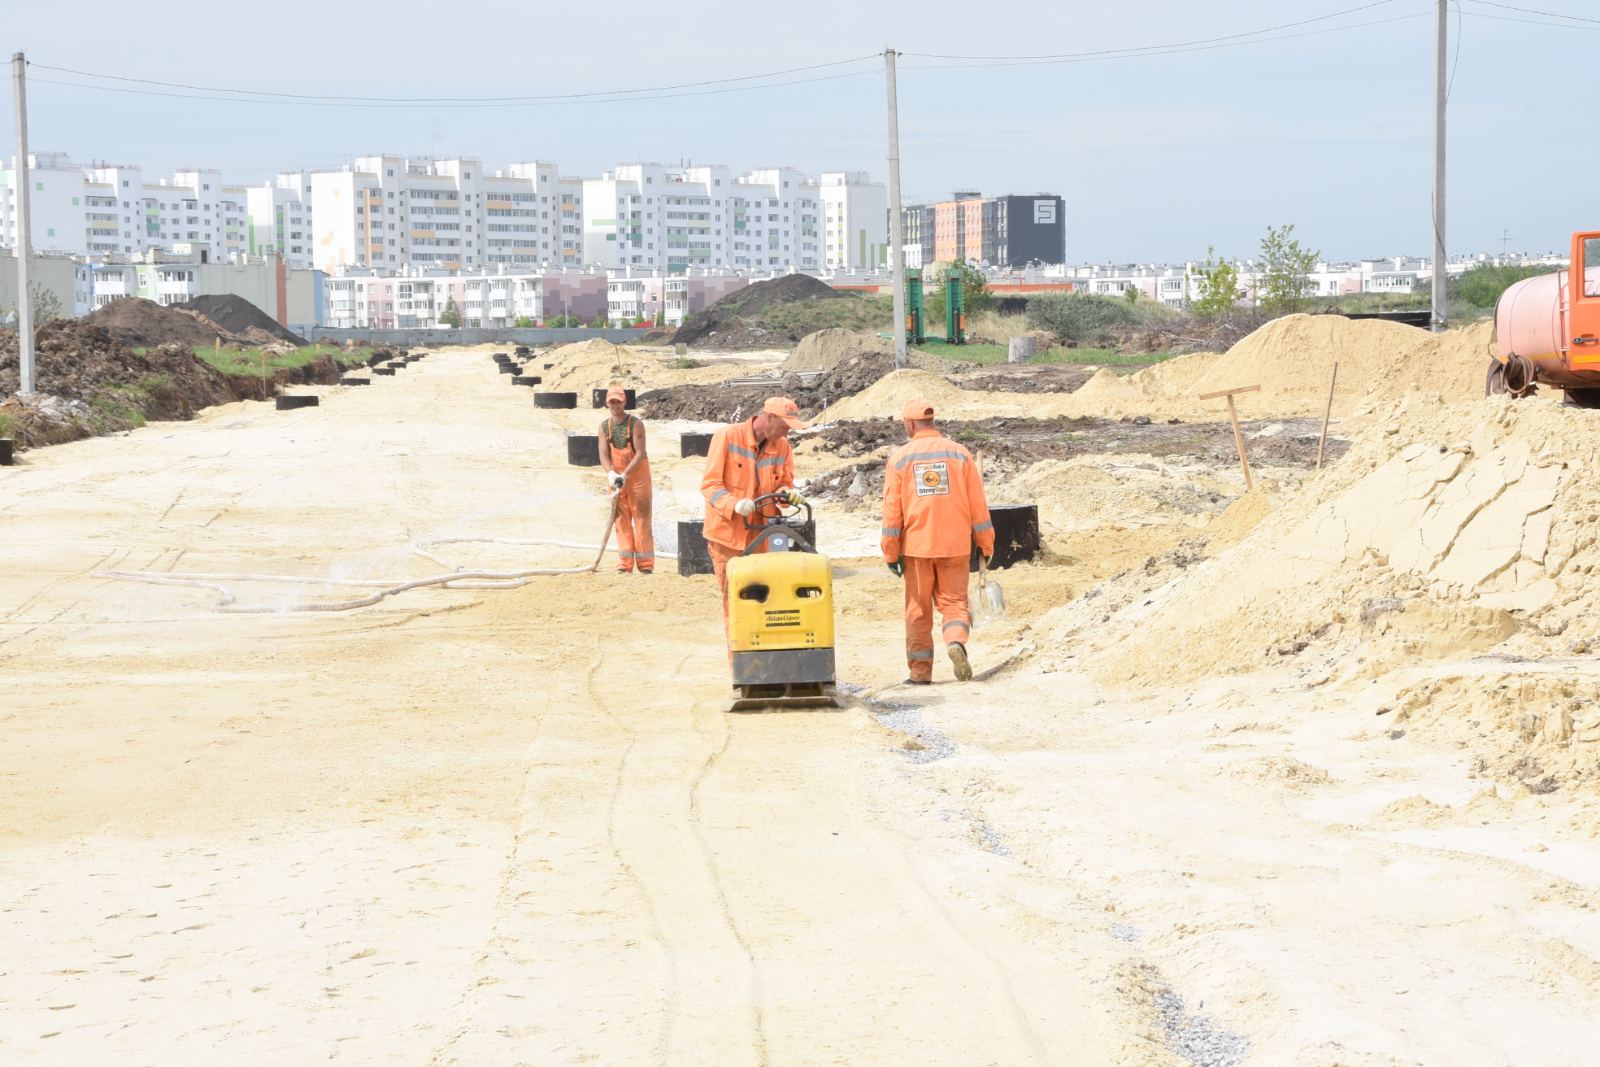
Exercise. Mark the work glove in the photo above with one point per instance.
(791, 496)
(616, 480)
(745, 507)
(898, 568)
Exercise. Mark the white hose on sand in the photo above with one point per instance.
(456, 578)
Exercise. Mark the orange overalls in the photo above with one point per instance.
(933, 510)
(739, 467)
(636, 543)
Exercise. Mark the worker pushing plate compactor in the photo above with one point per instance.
(780, 615)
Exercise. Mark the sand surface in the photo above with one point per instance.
(485, 826)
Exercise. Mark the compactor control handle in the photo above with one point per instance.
(1586, 339)
(783, 518)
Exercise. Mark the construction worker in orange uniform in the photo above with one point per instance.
(747, 460)
(627, 466)
(933, 511)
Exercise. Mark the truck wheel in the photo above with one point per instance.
(1583, 398)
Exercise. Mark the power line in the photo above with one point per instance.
(1067, 56)
(1168, 50)
(1532, 11)
(549, 98)
(335, 102)
(1529, 22)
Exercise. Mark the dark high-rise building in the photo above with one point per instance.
(1003, 231)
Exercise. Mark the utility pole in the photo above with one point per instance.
(19, 94)
(1440, 85)
(897, 266)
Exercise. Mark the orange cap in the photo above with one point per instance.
(917, 409)
(616, 392)
(786, 410)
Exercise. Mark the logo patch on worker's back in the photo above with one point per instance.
(932, 478)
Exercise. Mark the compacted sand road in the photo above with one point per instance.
(480, 826)
(463, 826)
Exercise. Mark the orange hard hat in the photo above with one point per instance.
(786, 410)
(917, 409)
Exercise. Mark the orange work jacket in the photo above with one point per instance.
(740, 467)
(933, 502)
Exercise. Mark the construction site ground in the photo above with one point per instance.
(474, 826)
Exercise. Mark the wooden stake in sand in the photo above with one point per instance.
(1326, 413)
(1238, 435)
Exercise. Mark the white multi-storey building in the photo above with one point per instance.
(58, 213)
(855, 221)
(774, 221)
(280, 218)
(387, 212)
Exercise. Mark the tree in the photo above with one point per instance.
(1131, 294)
(524, 322)
(1218, 283)
(451, 315)
(1284, 281)
(1482, 285)
(975, 295)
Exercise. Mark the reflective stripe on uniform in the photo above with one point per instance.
(770, 461)
(917, 456)
(740, 450)
(979, 527)
(955, 622)
(889, 531)
(919, 653)
(718, 494)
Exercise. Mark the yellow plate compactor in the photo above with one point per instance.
(780, 618)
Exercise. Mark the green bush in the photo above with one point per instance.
(1482, 285)
(1082, 318)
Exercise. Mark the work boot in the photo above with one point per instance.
(917, 681)
(958, 660)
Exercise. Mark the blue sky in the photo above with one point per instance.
(1328, 127)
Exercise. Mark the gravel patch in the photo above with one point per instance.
(923, 744)
(1197, 1038)
(1124, 932)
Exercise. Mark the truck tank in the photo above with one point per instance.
(1531, 334)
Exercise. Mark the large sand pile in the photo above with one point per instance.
(1130, 492)
(1292, 360)
(1444, 533)
(595, 364)
(885, 397)
(825, 349)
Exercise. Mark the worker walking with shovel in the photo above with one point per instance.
(622, 454)
(933, 510)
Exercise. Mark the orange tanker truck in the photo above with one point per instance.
(1547, 330)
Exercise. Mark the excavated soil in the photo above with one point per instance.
(1006, 447)
(140, 323)
(729, 403)
(722, 324)
(239, 316)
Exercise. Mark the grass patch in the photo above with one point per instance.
(248, 362)
(118, 407)
(685, 363)
(8, 425)
(1121, 362)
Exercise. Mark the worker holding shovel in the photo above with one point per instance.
(933, 510)
(622, 454)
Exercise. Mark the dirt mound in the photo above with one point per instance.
(144, 323)
(1292, 360)
(884, 398)
(88, 383)
(724, 323)
(825, 349)
(1027, 378)
(1445, 533)
(726, 403)
(240, 317)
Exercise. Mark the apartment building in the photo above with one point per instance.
(647, 217)
(288, 295)
(668, 300)
(279, 216)
(58, 212)
(416, 298)
(1003, 231)
(855, 221)
(389, 212)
